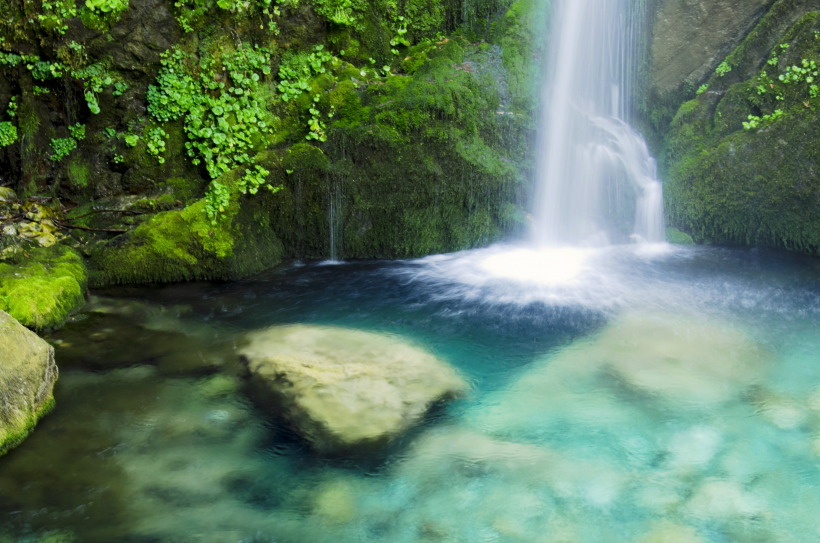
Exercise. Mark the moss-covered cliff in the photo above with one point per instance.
(223, 136)
(741, 159)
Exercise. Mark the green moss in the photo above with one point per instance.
(164, 202)
(422, 163)
(413, 63)
(186, 189)
(41, 287)
(675, 236)
(520, 33)
(79, 172)
(727, 184)
(183, 245)
(14, 439)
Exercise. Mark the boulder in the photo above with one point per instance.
(690, 38)
(342, 388)
(27, 376)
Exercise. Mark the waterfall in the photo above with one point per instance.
(596, 181)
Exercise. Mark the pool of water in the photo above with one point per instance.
(628, 394)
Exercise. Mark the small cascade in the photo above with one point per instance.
(595, 177)
(335, 194)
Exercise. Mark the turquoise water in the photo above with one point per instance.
(619, 395)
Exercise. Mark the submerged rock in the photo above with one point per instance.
(724, 501)
(669, 532)
(608, 380)
(343, 388)
(27, 376)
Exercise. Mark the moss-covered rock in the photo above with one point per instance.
(41, 287)
(27, 376)
(741, 161)
(416, 164)
(184, 245)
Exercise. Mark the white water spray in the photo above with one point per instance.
(595, 175)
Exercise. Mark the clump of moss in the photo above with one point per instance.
(676, 237)
(183, 245)
(41, 287)
(164, 202)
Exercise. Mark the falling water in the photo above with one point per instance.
(596, 179)
(335, 217)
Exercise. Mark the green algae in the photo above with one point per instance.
(41, 287)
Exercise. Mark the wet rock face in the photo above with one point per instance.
(343, 388)
(27, 376)
(690, 38)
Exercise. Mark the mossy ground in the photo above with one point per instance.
(41, 287)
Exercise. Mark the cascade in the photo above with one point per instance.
(596, 182)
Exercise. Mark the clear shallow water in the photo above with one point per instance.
(621, 394)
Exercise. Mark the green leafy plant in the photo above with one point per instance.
(254, 179)
(43, 71)
(119, 159)
(701, 89)
(223, 120)
(131, 140)
(96, 78)
(723, 69)
(77, 131)
(807, 71)
(155, 145)
(62, 147)
(341, 12)
(400, 29)
(12, 109)
(216, 201)
(54, 13)
(755, 121)
(295, 72)
(8, 133)
(107, 6)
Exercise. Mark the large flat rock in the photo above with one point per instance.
(343, 388)
(27, 376)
